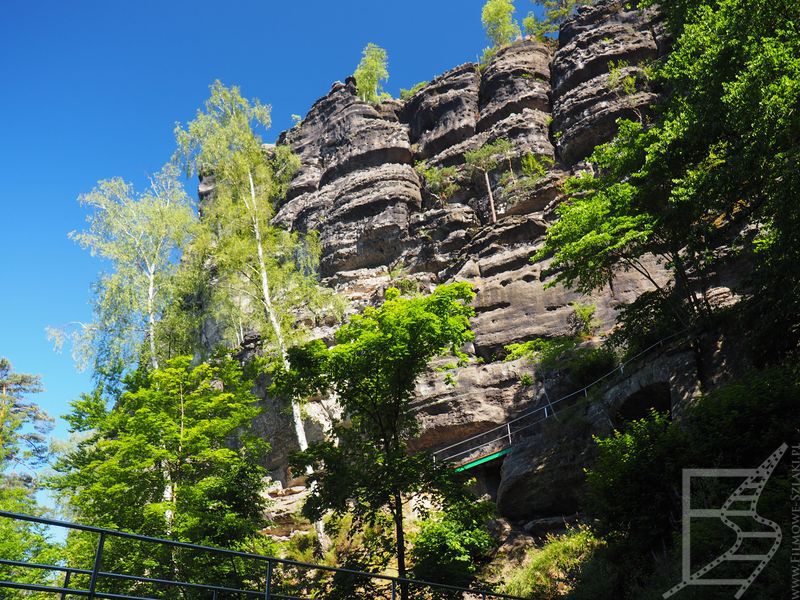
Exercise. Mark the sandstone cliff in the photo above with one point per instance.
(359, 189)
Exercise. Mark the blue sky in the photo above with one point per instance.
(92, 90)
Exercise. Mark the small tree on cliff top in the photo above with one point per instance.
(485, 159)
(373, 369)
(370, 72)
(497, 17)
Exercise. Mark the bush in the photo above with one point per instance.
(554, 570)
(451, 545)
(406, 94)
(632, 488)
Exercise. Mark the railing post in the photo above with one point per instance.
(214, 597)
(66, 585)
(394, 589)
(98, 560)
(269, 581)
(508, 425)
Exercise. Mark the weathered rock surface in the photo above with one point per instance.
(378, 227)
(586, 102)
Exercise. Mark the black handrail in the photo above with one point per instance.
(97, 573)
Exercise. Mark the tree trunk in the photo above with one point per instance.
(151, 318)
(269, 308)
(491, 196)
(400, 543)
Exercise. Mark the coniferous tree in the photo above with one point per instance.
(23, 448)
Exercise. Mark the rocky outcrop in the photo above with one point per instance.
(599, 48)
(379, 226)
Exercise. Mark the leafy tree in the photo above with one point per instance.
(141, 234)
(173, 458)
(373, 368)
(498, 21)
(24, 542)
(717, 160)
(487, 158)
(369, 73)
(451, 545)
(266, 275)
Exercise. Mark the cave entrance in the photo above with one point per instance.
(638, 405)
(487, 478)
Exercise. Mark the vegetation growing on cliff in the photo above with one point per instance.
(716, 161)
(370, 72)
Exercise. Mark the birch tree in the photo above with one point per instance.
(141, 234)
(268, 272)
(485, 159)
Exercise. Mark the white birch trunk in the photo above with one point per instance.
(491, 196)
(151, 317)
(297, 417)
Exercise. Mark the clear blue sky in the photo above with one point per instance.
(92, 90)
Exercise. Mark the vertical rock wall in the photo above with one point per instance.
(358, 188)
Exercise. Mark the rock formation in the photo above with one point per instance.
(359, 189)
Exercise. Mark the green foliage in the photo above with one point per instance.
(555, 13)
(407, 94)
(439, 181)
(372, 368)
(24, 542)
(526, 380)
(264, 274)
(583, 318)
(584, 365)
(633, 488)
(23, 424)
(174, 458)
(23, 449)
(718, 157)
(553, 571)
(535, 167)
(543, 351)
(498, 21)
(489, 156)
(645, 321)
(370, 72)
(628, 463)
(141, 234)
(450, 546)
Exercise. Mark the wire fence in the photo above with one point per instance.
(214, 573)
(505, 435)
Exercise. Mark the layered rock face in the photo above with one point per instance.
(359, 189)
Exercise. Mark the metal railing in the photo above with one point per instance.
(386, 587)
(503, 436)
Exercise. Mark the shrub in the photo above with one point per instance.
(554, 570)
(406, 94)
(631, 488)
(450, 546)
